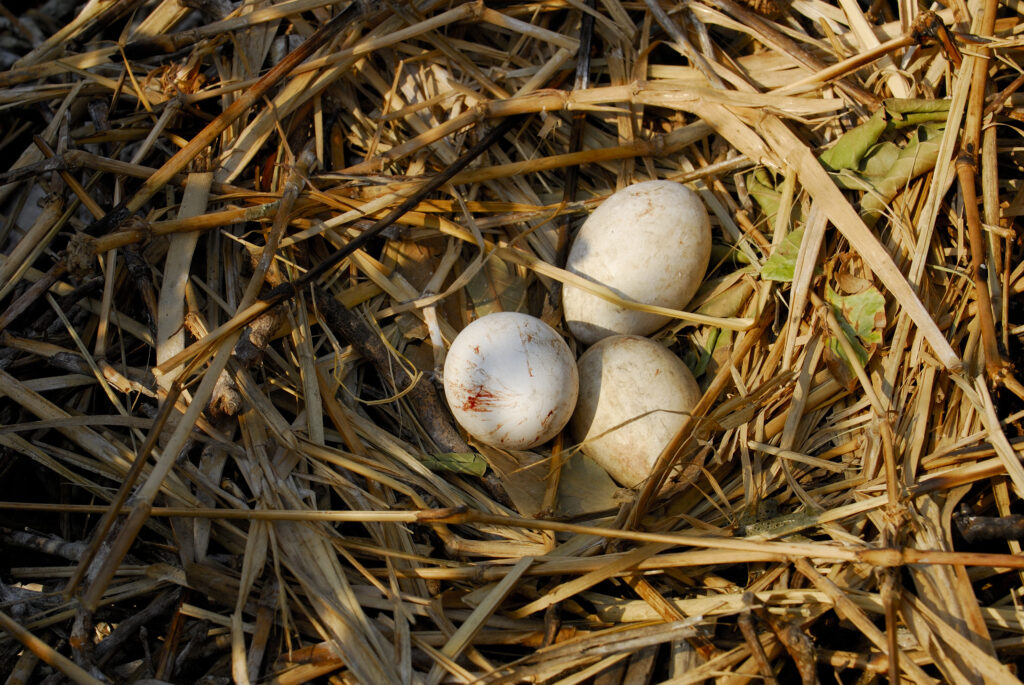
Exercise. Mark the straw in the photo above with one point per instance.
(237, 241)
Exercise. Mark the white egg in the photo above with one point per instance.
(510, 380)
(650, 242)
(634, 397)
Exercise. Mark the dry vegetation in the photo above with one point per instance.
(238, 237)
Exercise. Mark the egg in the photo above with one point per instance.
(634, 396)
(649, 242)
(510, 380)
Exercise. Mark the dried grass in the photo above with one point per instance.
(236, 241)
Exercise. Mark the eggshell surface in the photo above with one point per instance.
(510, 380)
(649, 242)
(634, 396)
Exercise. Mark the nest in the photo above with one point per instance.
(237, 241)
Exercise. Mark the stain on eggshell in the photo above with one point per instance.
(479, 399)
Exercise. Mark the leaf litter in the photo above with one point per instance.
(236, 239)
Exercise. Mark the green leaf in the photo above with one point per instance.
(879, 160)
(854, 144)
(781, 263)
(890, 174)
(469, 463)
(862, 318)
(864, 312)
(761, 187)
(915, 111)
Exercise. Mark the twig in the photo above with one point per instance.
(792, 49)
(981, 528)
(746, 624)
(204, 138)
(46, 653)
(288, 290)
(421, 393)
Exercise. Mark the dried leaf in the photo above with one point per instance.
(496, 288)
(585, 487)
(852, 275)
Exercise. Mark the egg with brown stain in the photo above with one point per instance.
(510, 380)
